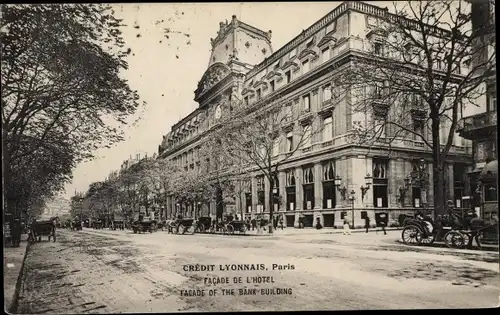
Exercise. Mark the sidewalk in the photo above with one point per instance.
(311, 231)
(13, 260)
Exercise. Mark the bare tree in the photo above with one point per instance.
(159, 175)
(263, 136)
(424, 65)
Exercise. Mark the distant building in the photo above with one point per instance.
(481, 127)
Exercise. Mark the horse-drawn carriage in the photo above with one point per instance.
(140, 226)
(76, 225)
(42, 228)
(457, 230)
(182, 226)
(118, 224)
(203, 224)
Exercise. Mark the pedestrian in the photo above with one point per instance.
(347, 228)
(318, 224)
(383, 222)
(275, 222)
(254, 223)
(367, 223)
(281, 222)
(15, 232)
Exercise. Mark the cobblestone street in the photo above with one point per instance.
(102, 271)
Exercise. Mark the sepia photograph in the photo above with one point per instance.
(249, 156)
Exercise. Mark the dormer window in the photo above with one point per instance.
(325, 54)
(259, 94)
(271, 84)
(310, 43)
(305, 66)
(218, 112)
(378, 48)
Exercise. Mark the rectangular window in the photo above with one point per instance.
(246, 100)
(327, 93)
(307, 136)
(325, 54)
(418, 129)
(305, 66)
(288, 112)
(259, 94)
(272, 86)
(378, 49)
(276, 147)
(289, 140)
(327, 129)
(288, 76)
(306, 103)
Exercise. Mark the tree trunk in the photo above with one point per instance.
(438, 170)
(271, 203)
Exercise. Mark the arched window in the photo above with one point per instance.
(290, 178)
(308, 175)
(328, 171)
(379, 170)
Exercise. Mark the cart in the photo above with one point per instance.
(240, 226)
(143, 226)
(42, 228)
(181, 226)
(203, 224)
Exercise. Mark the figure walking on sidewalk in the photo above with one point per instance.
(347, 228)
(367, 223)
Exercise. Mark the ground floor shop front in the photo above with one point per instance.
(349, 183)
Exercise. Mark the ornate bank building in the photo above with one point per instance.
(331, 178)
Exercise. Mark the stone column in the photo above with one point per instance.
(368, 200)
(341, 169)
(299, 190)
(282, 190)
(356, 180)
(254, 195)
(430, 189)
(299, 193)
(450, 189)
(318, 192)
(393, 181)
(266, 195)
(408, 202)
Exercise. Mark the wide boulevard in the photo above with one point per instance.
(103, 271)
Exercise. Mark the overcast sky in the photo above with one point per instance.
(166, 71)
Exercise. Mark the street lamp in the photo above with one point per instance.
(404, 189)
(364, 189)
(343, 189)
(351, 198)
(199, 210)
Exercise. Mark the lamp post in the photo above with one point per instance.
(351, 198)
(404, 189)
(368, 183)
(343, 189)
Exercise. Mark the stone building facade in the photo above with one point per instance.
(480, 126)
(331, 178)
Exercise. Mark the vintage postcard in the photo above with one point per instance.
(232, 157)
